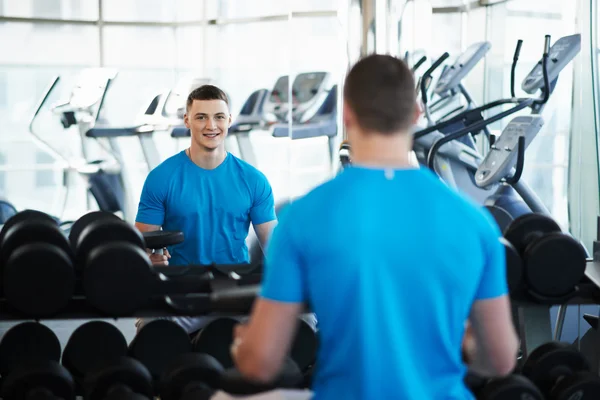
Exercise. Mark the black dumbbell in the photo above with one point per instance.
(506, 388)
(40, 380)
(38, 278)
(157, 343)
(91, 344)
(122, 378)
(553, 262)
(561, 373)
(109, 252)
(215, 339)
(289, 377)
(191, 376)
(27, 343)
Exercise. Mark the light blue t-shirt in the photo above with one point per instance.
(213, 208)
(391, 262)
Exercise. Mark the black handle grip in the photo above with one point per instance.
(428, 73)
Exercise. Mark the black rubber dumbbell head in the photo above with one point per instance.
(190, 374)
(304, 346)
(580, 386)
(91, 344)
(39, 380)
(118, 379)
(27, 342)
(289, 377)
(528, 227)
(84, 221)
(157, 344)
(102, 231)
(552, 361)
(112, 271)
(25, 215)
(215, 339)
(160, 239)
(38, 278)
(514, 267)
(509, 387)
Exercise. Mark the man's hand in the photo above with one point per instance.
(159, 259)
(469, 347)
(239, 331)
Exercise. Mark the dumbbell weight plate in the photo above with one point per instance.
(500, 215)
(552, 359)
(27, 342)
(215, 339)
(25, 215)
(38, 279)
(32, 231)
(102, 231)
(555, 264)
(160, 239)
(49, 375)
(510, 388)
(123, 370)
(304, 346)
(580, 386)
(84, 221)
(188, 368)
(521, 229)
(158, 343)
(233, 382)
(514, 267)
(91, 344)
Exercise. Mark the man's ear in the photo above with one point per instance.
(418, 112)
(348, 116)
(186, 120)
(230, 121)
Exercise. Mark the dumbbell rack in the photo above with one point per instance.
(533, 318)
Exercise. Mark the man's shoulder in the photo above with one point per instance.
(167, 166)
(246, 169)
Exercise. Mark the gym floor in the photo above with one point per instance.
(63, 329)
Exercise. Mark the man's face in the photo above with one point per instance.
(208, 122)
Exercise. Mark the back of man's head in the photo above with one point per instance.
(380, 91)
(206, 92)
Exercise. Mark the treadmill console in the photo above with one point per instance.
(464, 64)
(561, 53)
(502, 157)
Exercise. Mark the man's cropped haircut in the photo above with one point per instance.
(206, 92)
(380, 89)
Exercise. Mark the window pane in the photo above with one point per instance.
(194, 10)
(61, 9)
(143, 47)
(138, 10)
(245, 8)
(317, 5)
(36, 44)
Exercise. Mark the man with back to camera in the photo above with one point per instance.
(207, 193)
(391, 260)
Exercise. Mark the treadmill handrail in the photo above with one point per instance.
(460, 116)
(476, 126)
(427, 75)
(38, 139)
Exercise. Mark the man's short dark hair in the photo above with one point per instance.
(380, 89)
(206, 92)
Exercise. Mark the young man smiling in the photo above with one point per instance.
(207, 193)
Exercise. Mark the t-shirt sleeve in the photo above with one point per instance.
(283, 278)
(263, 205)
(151, 209)
(493, 280)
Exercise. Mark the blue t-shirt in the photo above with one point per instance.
(213, 208)
(391, 262)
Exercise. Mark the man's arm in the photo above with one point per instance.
(263, 232)
(261, 346)
(151, 210)
(492, 343)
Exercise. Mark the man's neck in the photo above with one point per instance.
(206, 159)
(383, 151)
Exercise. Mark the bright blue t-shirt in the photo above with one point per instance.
(213, 208)
(391, 262)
